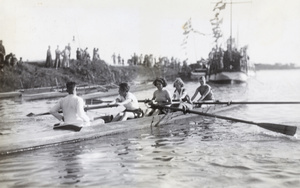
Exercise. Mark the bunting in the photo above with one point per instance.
(216, 22)
(188, 29)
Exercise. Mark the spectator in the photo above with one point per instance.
(48, 58)
(57, 58)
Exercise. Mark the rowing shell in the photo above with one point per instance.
(96, 130)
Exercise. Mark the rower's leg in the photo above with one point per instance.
(117, 117)
(126, 116)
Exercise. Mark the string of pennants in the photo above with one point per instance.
(216, 21)
(188, 29)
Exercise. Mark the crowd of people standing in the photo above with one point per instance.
(148, 60)
(9, 60)
(58, 62)
(230, 59)
(62, 58)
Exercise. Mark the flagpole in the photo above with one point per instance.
(230, 25)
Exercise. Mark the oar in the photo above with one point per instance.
(41, 114)
(279, 128)
(99, 101)
(247, 102)
(100, 106)
(85, 109)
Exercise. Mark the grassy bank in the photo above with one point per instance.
(35, 74)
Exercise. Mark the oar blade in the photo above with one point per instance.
(67, 127)
(279, 128)
(30, 114)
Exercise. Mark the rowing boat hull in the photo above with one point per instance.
(228, 76)
(13, 94)
(96, 130)
(197, 73)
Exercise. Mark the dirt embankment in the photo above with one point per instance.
(35, 74)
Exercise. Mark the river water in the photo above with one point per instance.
(212, 153)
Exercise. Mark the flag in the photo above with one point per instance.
(183, 43)
(198, 32)
(187, 25)
(218, 3)
(215, 29)
(217, 22)
(215, 18)
(186, 32)
(218, 35)
(220, 7)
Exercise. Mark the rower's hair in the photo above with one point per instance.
(161, 80)
(202, 78)
(70, 86)
(124, 87)
(178, 80)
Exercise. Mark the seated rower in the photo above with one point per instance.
(129, 101)
(181, 95)
(160, 97)
(72, 107)
(204, 90)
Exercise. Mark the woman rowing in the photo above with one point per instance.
(204, 90)
(161, 97)
(181, 95)
(129, 101)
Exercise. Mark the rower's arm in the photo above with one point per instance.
(169, 99)
(54, 112)
(125, 102)
(184, 94)
(81, 112)
(195, 94)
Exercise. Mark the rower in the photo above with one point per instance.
(72, 107)
(129, 101)
(160, 97)
(204, 90)
(181, 95)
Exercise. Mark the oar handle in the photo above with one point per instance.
(247, 102)
(99, 101)
(98, 107)
(85, 109)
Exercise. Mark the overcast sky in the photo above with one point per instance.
(270, 28)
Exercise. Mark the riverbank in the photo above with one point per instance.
(36, 75)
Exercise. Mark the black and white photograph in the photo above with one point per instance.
(150, 93)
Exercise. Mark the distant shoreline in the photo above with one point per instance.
(276, 66)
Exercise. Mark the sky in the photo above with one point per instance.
(268, 27)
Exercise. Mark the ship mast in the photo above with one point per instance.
(231, 18)
(230, 25)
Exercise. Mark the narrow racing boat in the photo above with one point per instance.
(55, 137)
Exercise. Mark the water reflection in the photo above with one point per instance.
(66, 158)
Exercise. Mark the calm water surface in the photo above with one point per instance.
(207, 153)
